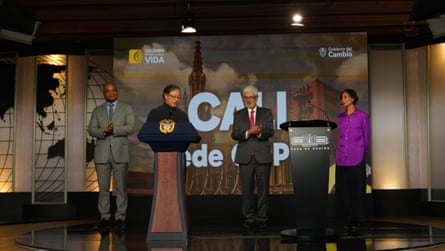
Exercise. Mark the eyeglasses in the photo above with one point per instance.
(250, 97)
(174, 97)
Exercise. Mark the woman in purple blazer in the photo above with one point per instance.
(350, 172)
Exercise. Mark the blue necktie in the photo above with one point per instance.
(110, 111)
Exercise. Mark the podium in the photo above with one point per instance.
(310, 152)
(168, 219)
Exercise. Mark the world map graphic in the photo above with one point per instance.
(50, 124)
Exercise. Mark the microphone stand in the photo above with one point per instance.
(323, 111)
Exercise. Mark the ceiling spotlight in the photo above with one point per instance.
(297, 20)
(188, 24)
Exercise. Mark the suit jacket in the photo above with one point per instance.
(124, 121)
(260, 145)
(165, 112)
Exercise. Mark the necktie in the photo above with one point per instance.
(252, 118)
(252, 123)
(110, 111)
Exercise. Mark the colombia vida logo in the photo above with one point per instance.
(148, 56)
(135, 56)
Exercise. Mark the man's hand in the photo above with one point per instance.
(109, 129)
(255, 130)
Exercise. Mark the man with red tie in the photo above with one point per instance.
(252, 128)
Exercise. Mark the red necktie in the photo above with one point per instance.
(252, 124)
(252, 118)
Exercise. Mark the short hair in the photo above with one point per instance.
(108, 83)
(170, 88)
(351, 93)
(250, 88)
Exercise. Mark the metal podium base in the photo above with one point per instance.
(308, 234)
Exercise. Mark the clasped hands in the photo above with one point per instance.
(255, 130)
(109, 129)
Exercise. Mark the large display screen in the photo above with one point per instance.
(299, 76)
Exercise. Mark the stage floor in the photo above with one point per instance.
(229, 235)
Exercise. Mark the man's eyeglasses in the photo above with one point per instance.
(249, 97)
(175, 97)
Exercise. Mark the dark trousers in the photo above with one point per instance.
(350, 191)
(250, 173)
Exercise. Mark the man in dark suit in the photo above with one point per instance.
(110, 124)
(252, 128)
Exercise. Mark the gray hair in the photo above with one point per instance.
(250, 89)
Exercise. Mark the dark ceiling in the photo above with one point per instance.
(94, 23)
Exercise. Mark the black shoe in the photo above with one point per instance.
(261, 227)
(352, 229)
(353, 226)
(102, 225)
(120, 226)
(249, 226)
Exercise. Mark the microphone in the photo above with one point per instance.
(323, 111)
